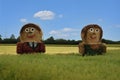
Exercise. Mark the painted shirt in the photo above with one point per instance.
(30, 47)
(94, 49)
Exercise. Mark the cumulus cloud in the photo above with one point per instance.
(60, 16)
(58, 33)
(118, 25)
(68, 30)
(45, 15)
(100, 19)
(54, 32)
(65, 32)
(23, 20)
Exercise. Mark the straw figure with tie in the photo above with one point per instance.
(30, 40)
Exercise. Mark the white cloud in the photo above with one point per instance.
(60, 16)
(23, 20)
(68, 29)
(53, 32)
(45, 15)
(65, 33)
(100, 19)
(118, 26)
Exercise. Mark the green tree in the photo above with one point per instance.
(50, 40)
(0, 37)
(12, 36)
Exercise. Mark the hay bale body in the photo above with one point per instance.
(91, 41)
(30, 40)
(92, 49)
(28, 47)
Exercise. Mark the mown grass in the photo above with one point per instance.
(59, 66)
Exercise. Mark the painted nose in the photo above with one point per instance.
(30, 32)
(93, 33)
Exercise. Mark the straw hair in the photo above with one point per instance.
(85, 29)
(30, 25)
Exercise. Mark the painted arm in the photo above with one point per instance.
(81, 48)
(19, 48)
(42, 47)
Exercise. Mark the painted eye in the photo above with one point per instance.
(32, 29)
(97, 30)
(91, 30)
(27, 30)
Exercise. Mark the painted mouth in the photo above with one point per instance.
(93, 37)
(31, 36)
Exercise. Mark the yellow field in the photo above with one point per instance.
(50, 49)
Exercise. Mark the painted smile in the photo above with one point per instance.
(31, 36)
(93, 37)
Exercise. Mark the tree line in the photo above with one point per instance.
(51, 40)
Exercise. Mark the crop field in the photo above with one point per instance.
(60, 62)
(52, 49)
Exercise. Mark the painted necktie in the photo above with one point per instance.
(33, 44)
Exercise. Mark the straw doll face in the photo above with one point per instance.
(30, 33)
(92, 34)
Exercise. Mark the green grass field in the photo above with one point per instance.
(60, 62)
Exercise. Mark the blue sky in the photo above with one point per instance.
(60, 18)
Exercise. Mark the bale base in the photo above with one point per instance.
(26, 48)
(92, 49)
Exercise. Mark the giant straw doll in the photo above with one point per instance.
(30, 40)
(91, 40)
